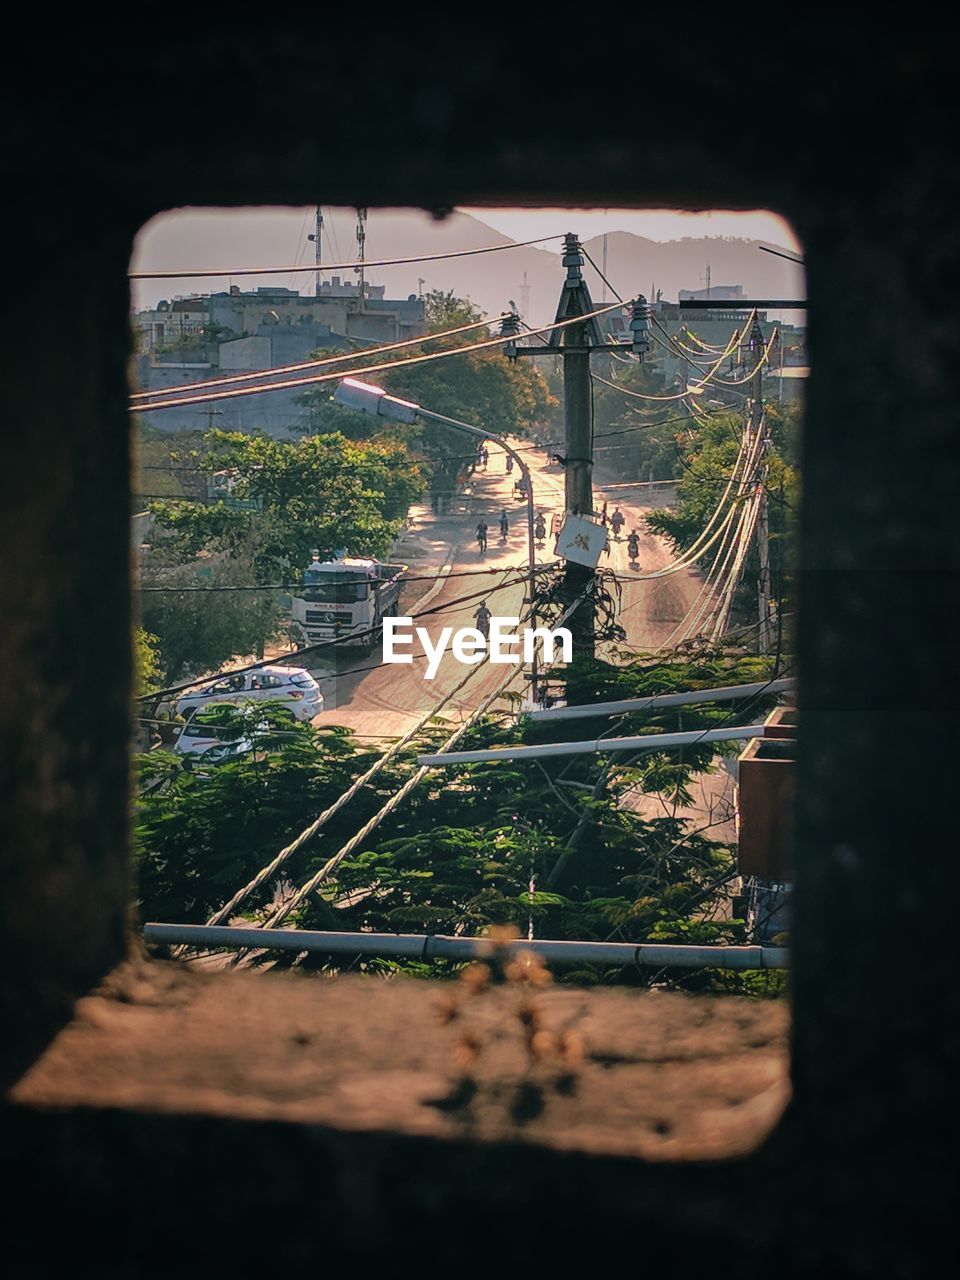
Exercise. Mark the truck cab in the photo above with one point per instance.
(345, 599)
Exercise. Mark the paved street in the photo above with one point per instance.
(386, 700)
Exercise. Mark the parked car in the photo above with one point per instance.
(290, 685)
(221, 732)
(203, 735)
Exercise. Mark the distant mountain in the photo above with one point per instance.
(208, 238)
(637, 265)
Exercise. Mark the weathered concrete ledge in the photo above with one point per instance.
(652, 1075)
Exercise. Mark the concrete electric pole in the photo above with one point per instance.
(577, 340)
(574, 344)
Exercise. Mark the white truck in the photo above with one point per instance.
(345, 600)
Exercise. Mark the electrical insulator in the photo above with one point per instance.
(640, 327)
(510, 328)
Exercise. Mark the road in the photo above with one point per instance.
(385, 701)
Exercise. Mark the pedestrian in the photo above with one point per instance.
(617, 521)
(603, 516)
(509, 464)
(504, 525)
(484, 456)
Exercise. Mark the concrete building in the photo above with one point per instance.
(684, 361)
(264, 329)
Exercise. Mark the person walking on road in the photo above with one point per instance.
(482, 537)
(617, 521)
(509, 464)
(484, 457)
(483, 620)
(504, 525)
(603, 516)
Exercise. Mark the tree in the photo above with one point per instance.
(198, 631)
(707, 460)
(479, 845)
(146, 662)
(201, 833)
(482, 388)
(321, 492)
(629, 440)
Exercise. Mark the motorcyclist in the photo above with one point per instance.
(633, 545)
(482, 537)
(617, 522)
(483, 620)
(540, 528)
(504, 525)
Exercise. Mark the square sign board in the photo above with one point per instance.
(580, 539)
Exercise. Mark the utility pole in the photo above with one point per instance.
(756, 425)
(361, 249)
(574, 344)
(578, 429)
(317, 255)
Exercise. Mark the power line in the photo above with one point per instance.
(342, 582)
(213, 272)
(639, 395)
(333, 862)
(600, 274)
(163, 694)
(312, 364)
(310, 831)
(376, 368)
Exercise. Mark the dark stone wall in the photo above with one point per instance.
(850, 132)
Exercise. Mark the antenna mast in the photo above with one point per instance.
(317, 253)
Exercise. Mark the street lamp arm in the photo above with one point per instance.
(481, 432)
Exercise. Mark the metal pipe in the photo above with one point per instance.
(728, 693)
(597, 746)
(417, 946)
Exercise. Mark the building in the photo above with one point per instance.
(211, 336)
(682, 358)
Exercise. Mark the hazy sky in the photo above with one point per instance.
(233, 239)
(655, 224)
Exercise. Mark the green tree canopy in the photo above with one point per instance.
(482, 388)
(322, 492)
(516, 842)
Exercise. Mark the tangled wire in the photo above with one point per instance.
(604, 592)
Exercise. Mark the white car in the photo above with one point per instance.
(218, 743)
(291, 686)
(199, 738)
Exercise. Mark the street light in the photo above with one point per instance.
(362, 396)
